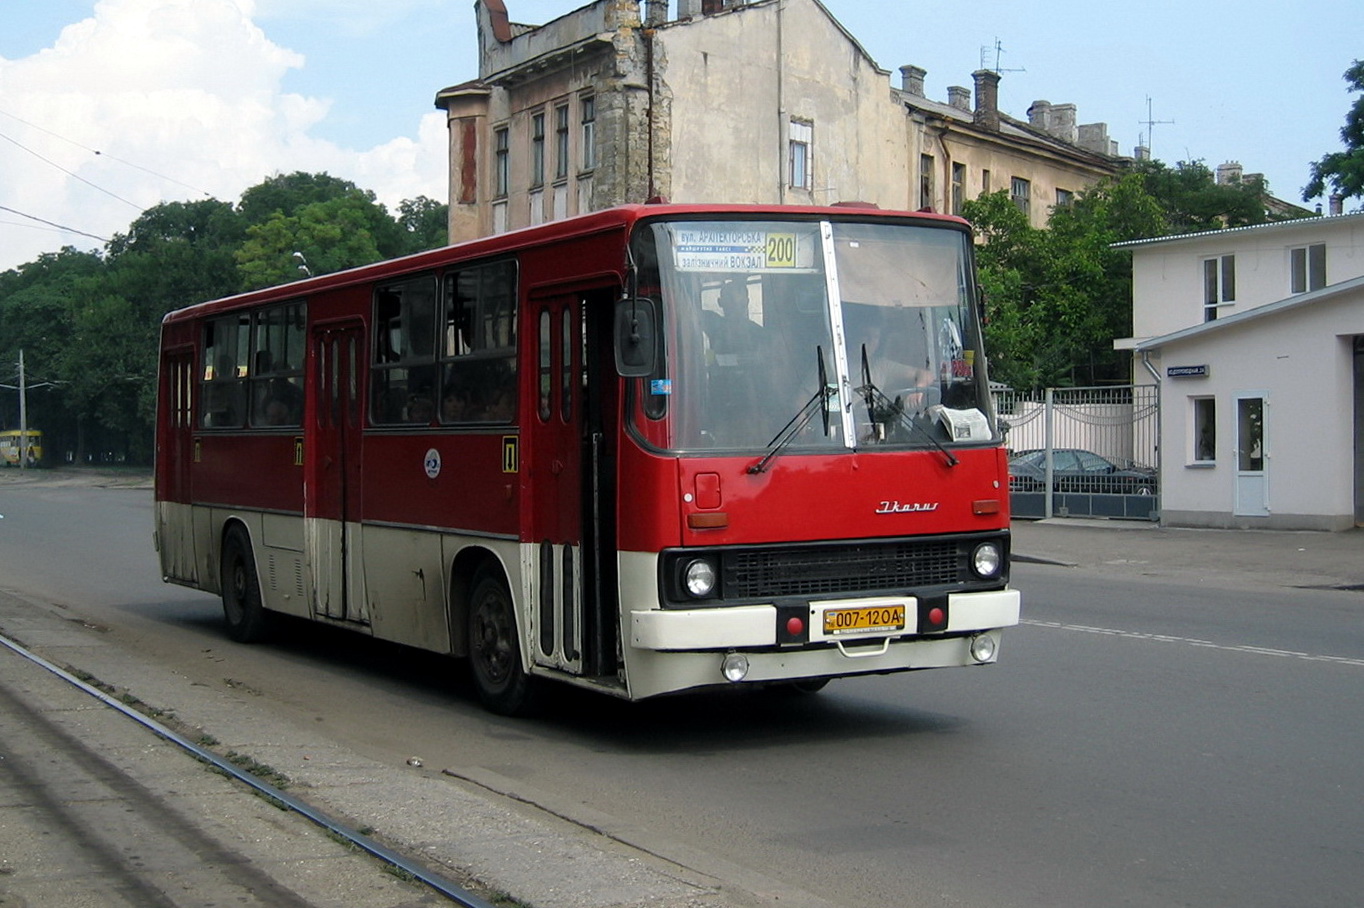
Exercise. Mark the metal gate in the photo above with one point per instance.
(1083, 452)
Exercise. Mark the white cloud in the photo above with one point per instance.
(190, 90)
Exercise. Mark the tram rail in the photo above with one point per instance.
(417, 871)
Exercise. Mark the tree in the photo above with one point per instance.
(1344, 170)
(425, 223)
(1057, 297)
(1194, 201)
(330, 236)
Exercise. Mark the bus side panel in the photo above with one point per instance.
(466, 481)
(258, 472)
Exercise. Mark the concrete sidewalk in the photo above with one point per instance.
(1254, 558)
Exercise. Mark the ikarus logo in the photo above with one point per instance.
(914, 507)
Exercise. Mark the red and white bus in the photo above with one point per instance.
(645, 450)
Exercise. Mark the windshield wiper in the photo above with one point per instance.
(882, 409)
(818, 401)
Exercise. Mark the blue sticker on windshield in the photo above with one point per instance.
(661, 386)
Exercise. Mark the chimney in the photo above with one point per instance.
(959, 97)
(1061, 123)
(987, 98)
(912, 78)
(1228, 173)
(655, 12)
(1337, 203)
(1094, 137)
(1039, 115)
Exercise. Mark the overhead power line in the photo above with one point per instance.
(61, 227)
(69, 173)
(105, 154)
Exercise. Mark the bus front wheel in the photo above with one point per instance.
(494, 652)
(245, 615)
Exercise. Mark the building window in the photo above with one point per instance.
(1219, 284)
(537, 150)
(958, 187)
(802, 138)
(984, 182)
(502, 163)
(1020, 191)
(925, 181)
(589, 132)
(1203, 439)
(1064, 198)
(561, 142)
(1307, 268)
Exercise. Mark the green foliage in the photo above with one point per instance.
(1344, 170)
(1193, 200)
(1057, 297)
(90, 321)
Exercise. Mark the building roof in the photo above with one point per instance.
(1298, 300)
(1276, 225)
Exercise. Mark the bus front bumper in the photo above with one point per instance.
(750, 626)
(689, 649)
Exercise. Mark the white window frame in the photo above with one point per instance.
(587, 106)
(1306, 268)
(1202, 416)
(800, 156)
(1219, 284)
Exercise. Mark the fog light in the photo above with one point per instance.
(983, 648)
(735, 667)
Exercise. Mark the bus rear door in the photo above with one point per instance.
(331, 492)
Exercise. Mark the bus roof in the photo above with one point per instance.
(620, 218)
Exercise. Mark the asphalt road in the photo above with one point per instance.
(1142, 742)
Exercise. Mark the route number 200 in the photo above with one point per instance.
(781, 250)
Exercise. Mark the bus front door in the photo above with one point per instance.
(573, 605)
(331, 490)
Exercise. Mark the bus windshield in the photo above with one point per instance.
(827, 334)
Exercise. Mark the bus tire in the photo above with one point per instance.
(494, 651)
(246, 618)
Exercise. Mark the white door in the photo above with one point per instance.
(1252, 454)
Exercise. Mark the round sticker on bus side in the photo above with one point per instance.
(432, 463)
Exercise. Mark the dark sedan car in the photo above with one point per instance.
(1076, 470)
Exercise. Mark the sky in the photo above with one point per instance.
(108, 107)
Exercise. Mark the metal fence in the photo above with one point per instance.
(1083, 452)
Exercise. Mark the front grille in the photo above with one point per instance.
(839, 569)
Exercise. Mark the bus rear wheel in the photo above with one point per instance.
(246, 618)
(494, 651)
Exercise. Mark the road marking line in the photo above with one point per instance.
(1190, 641)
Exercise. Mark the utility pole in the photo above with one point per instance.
(23, 415)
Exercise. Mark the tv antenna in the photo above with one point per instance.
(1150, 123)
(997, 49)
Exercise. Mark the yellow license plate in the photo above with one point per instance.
(863, 620)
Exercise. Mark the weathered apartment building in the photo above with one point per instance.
(763, 101)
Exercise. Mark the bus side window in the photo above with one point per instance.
(224, 371)
(277, 376)
(403, 380)
(478, 344)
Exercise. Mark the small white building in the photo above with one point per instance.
(1255, 336)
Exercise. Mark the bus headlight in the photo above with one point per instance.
(987, 560)
(698, 578)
